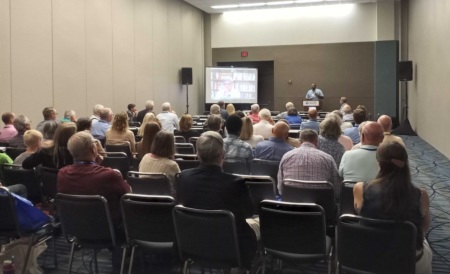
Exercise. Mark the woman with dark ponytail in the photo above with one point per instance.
(392, 196)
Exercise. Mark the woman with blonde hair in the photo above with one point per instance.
(230, 109)
(186, 128)
(160, 158)
(145, 145)
(119, 133)
(247, 133)
(149, 117)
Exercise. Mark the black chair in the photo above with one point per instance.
(4, 144)
(117, 160)
(294, 233)
(15, 174)
(346, 200)
(136, 162)
(102, 139)
(193, 141)
(265, 167)
(260, 188)
(206, 237)
(186, 156)
(13, 152)
(179, 139)
(148, 224)
(121, 148)
(149, 183)
(49, 178)
(134, 124)
(186, 164)
(294, 126)
(184, 148)
(318, 192)
(375, 246)
(236, 167)
(10, 228)
(86, 223)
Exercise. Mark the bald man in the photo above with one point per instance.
(386, 122)
(312, 122)
(360, 165)
(274, 148)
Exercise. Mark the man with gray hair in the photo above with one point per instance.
(49, 114)
(148, 108)
(21, 124)
(69, 116)
(208, 187)
(285, 113)
(265, 125)
(95, 117)
(99, 129)
(168, 119)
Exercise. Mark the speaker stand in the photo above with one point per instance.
(405, 127)
(187, 99)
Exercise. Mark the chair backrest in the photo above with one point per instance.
(375, 246)
(121, 148)
(184, 148)
(265, 167)
(186, 164)
(4, 144)
(9, 226)
(346, 200)
(136, 162)
(186, 156)
(260, 188)
(297, 229)
(179, 139)
(149, 183)
(207, 237)
(318, 192)
(148, 218)
(294, 126)
(193, 141)
(102, 139)
(117, 160)
(49, 178)
(13, 152)
(134, 124)
(235, 166)
(86, 219)
(15, 174)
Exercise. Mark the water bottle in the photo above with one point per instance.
(8, 267)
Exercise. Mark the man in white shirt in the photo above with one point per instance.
(168, 119)
(264, 127)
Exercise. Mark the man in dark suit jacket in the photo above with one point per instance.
(208, 187)
(148, 108)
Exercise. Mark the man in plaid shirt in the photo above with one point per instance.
(235, 148)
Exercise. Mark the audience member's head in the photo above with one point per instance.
(185, 122)
(264, 114)
(97, 110)
(82, 147)
(343, 100)
(234, 124)
(214, 109)
(247, 128)
(120, 122)
(309, 136)
(363, 107)
(22, 123)
(221, 104)
(280, 131)
(166, 106)
(347, 109)
(230, 109)
(49, 113)
(210, 148)
(70, 115)
(359, 116)
(150, 130)
(84, 123)
(393, 161)
(372, 134)
(50, 129)
(312, 114)
(163, 144)
(330, 128)
(386, 122)
(8, 118)
(289, 105)
(32, 139)
(106, 114)
(131, 107)
(361, 126)
(292, 112)
(149, 104)
(214, 122)
(240, 113)
(63, 133)
(254, 108)
(149, 117)
(336, 112)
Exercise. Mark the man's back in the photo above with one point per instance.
(272, 149)
(169, 120)
(310, 124)
(359, 165)
(353, 133)
(236, 149)
(100, 128)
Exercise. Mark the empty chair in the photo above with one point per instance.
(207, 238)
(15, 174)
(318, 192)
(179, 139)
(121, 148)
(260, 188)
(294, 233)
(117, 160)
(186, 164)
(346, 201)
(149, 183)
(265, 167)
(86, 223)
(375, 246)
(236, 167)
(184, 148)
(13, 152)
(193, 141)
(148, 224)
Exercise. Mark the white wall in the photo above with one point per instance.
(429, 95)
(72, 54)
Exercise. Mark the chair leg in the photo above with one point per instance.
(54, 252)
(131, 260)
(263, 264)
(95, 261)
(27, 257)
(124, 254)
(72, 250)
(186, 267)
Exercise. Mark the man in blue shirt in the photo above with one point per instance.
(99, 129)
(312, 123)
(359, 115)
(274, 148)
(314, 93)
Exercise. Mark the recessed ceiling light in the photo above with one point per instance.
(280, 3)
(225, 7)
(307, 1)
(252, 5)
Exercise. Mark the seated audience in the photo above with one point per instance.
(343, 102)
(343, 140)
(145, 145)
(330, 131)
(247, 133)
(230, 109)
(391, 195)
(33, 140)
(160, 158)
(295, 142)
(215, 123)
(95, 117)
(360, 165)
(149, 117)
(386, 122)
(98, 129)
(308, 163)
(21, 124)
(254, 113)
(84, 124)
(49, 133)
(168, 119)
(285, 113)
(359, 116)
(360, 128)
(292, 117)
(69, 116)
(57, 155)
(274, 148)
(265, 125)
(235, 148)
(223, 111)
(8, 131)
(208, 187)
(132, 112)
(49, 114)
(312, 123)
(119, 133)
(348, 114)
(148, 109)
(185, 126)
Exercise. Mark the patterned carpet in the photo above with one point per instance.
(430, 170)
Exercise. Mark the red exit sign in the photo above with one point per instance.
(244, 53)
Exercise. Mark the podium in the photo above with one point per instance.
(309, 104)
